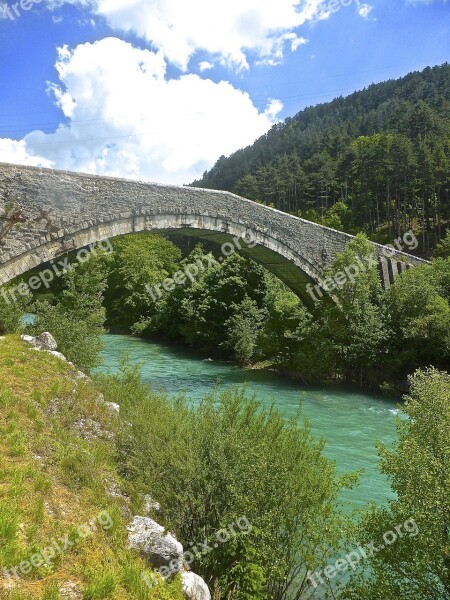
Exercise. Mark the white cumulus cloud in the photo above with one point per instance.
(16, 152)
(125, 118)
(230, 32)
(205, 66)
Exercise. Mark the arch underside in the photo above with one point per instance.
(289, 273)
(291, 268)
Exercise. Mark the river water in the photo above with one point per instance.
(350, 421)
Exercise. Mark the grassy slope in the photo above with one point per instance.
(52, 481)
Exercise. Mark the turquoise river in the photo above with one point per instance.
(350, 421)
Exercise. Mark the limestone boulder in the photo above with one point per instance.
(46, 341)
(113, 408)
(149, 505)
(149, 538)
(194, 587)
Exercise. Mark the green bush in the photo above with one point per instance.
(12, 311)
(76, 319)
(229, 459)
(417, 565)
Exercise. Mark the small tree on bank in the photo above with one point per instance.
(419, 469)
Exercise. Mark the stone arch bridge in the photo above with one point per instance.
(63, 211)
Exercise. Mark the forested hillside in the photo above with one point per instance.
(376, 161)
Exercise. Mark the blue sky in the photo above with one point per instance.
(158, 90)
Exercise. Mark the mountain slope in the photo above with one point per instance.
(383, 152)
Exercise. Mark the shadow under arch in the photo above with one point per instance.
(294, 270)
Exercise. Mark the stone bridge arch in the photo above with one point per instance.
(66, 211)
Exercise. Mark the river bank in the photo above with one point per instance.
(350, 420)
(392, 389)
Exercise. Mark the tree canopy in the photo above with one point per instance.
(377, 160)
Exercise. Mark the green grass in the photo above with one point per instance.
(52, 481)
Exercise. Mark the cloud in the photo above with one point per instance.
(127, 119)
(231, 32)
(364, 10)
(273, 109)
(205, 66)
(330, 7)
(13, 151)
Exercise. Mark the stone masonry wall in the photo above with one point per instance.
(65, 210)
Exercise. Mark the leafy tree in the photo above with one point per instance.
(443, 249)
(199, 311)
(139, 263)
(286, 317)
(356, 323)
(76, 319)
(338, 217)
(440, 273)
(418, 319)
(417, 566)
(243, 330)
(248, 187)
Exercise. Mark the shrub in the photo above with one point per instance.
(229, 459)
(76, 320)
(11, 312)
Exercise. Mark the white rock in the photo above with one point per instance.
(83, 376)
(194, 588)
(88, 428)
(113, 408)
(150, 505)
(148, 537)
(29, 339)
(47, 341)
(71, 591)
